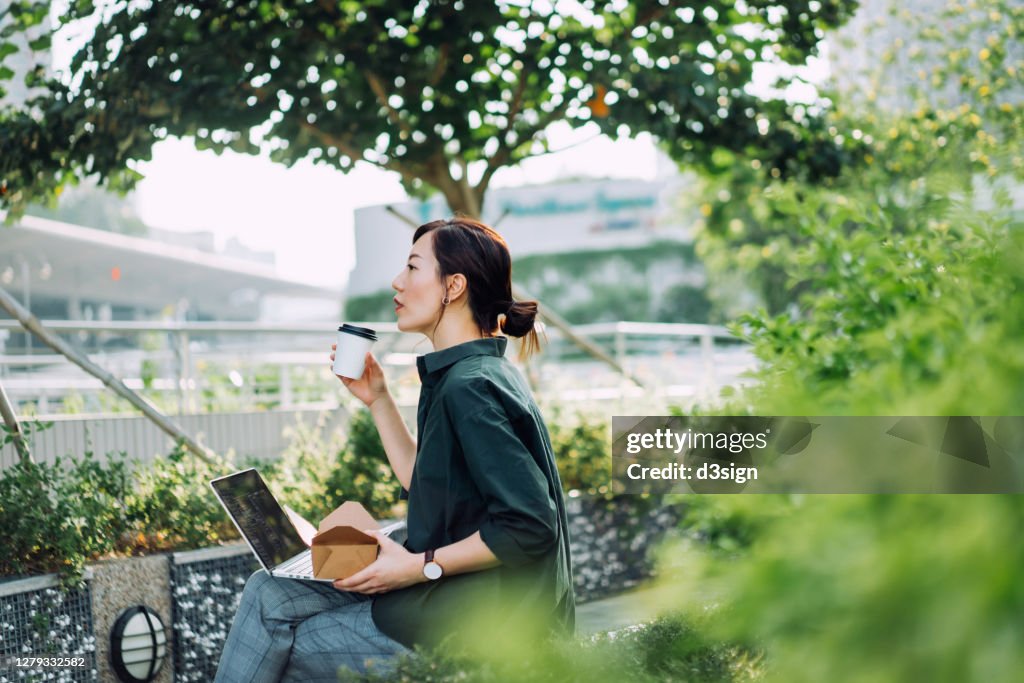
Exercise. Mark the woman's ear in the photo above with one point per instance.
(456, 286)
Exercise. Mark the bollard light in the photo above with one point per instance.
(138, 645)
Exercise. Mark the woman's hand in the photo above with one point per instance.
(370, 386)
(394, 568)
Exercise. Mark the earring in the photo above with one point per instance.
(445, 301)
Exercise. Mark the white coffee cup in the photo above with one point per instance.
(350, 353)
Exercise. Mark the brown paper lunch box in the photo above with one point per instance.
(339, 546)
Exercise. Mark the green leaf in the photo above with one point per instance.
(41, 43)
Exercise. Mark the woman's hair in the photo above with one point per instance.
(467, 246)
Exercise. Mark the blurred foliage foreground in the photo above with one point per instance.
(897, 289)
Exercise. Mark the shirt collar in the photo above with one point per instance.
(431, 363)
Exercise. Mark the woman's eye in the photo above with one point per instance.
(411, 267)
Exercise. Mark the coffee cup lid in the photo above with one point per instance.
(365, 332)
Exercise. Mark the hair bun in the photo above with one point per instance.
(519, 318)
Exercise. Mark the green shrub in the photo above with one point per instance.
(376, 306)
(582, 448)
(684, 303)
(320, 470)
(926, 320)
(668, 649)
(56, 517)
(895, 290)
(361, 471)
(299, 478)
(173, 507)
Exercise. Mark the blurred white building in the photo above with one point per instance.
(63, 271)
(541, 219)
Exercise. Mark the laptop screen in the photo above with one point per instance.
(259, 516)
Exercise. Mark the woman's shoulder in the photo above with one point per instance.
(481, 379)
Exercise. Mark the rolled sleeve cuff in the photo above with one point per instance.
(505, 546)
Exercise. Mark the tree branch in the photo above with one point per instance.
(438, 173)
(653, 13)
(517, 100)
(353, 152)
(498, 160)
(439, 68)
(382, 96)
(567, 147)
(504, 152)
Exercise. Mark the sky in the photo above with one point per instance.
(304, 214)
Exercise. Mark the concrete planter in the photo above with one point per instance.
(38, 619)
(117, 585)
(195, 594)
(206, 588)
(611, 542)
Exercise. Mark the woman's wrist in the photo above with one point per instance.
(377, 399)
(420, 561)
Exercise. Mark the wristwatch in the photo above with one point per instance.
(432, 570)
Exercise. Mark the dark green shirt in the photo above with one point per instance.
(483, 463)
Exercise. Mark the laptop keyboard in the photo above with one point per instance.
(300, 564)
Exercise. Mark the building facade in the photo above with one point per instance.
(570, 216)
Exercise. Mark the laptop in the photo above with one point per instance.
(278, 536)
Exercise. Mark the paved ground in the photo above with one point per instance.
(619, 611)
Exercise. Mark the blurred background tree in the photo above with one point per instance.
(443, 93)
(893, 288)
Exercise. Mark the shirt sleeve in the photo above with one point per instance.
(521, 523)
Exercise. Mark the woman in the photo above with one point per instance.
(486, 520)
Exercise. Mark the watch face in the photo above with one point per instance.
(432, 570)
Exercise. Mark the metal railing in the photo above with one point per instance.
(248, 434)
(198, 367)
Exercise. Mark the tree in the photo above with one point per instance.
(956, 138)
(443, 93)
(894, 289)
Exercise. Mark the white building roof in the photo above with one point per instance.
(150, 274)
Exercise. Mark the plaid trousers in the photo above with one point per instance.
(290, 630)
